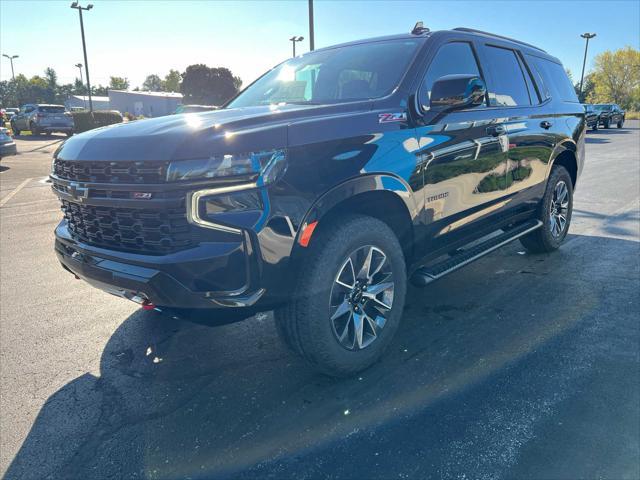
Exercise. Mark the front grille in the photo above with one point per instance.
(145, 231)
(111, 172)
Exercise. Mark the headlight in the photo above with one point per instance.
(267, 165)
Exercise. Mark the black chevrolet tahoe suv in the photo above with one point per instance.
(327, 185)
(609, 114)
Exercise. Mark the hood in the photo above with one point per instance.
(192, 135)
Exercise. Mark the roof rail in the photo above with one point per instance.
(473, 30)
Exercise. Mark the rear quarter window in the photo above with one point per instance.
(554, 78)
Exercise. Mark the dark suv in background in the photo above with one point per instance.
(609, 114)
(326, 185)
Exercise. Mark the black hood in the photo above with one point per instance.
(194, 135)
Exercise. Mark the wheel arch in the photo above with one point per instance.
(382, 196)
(565, 154)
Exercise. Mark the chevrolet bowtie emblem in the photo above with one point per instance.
(77, 192)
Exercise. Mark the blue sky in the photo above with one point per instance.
(136, 38)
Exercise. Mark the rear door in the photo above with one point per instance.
(529, 122)
(462, 153)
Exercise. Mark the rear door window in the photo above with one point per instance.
(455, 58)
(554, 77)
(509, 87)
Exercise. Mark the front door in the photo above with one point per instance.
(463, 155)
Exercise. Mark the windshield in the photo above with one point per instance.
(343, 74)
(602, 108)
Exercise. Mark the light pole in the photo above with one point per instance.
(587, 36)
(293, 40)
(79, 65)
(84, 48)
(11, 57)
(311, 42)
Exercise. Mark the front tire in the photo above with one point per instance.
(607, 123)
(595, 127)
(16, 131)
(554, 213)
(620, 123)
(349, 296)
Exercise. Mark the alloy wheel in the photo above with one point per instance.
(559, 209)
(361, 297)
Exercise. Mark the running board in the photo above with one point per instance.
(425, 275)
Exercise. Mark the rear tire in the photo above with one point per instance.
(337, 318)
(35, 130)
(554, 213)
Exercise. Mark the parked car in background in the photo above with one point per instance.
(194, 108)
(327, 184)
(10, 112)
(609, 114)
(590, 116)
(7, 145)
(42, 118)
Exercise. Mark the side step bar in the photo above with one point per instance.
(425, 275)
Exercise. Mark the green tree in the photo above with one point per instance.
(118, 83)
(616, 78)
(172, 81)
(100, 91)
(79, 88)
(51, 77)
(211, 86)
(153, 83)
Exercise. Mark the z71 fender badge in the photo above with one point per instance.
(392, 117)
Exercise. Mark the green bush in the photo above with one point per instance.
(84, 121)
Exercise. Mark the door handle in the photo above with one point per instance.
(496, 130)
(545, 124)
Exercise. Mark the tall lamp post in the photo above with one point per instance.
(11, 57)
(293, 40)
(84, 48)
(79, 66)
(586, 36)
(311, 36)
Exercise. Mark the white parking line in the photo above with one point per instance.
(16, 190)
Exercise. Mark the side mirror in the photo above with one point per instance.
(454, 92)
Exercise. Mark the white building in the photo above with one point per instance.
(82, 101)
(149, 104)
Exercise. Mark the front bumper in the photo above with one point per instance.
(51, 128)
(170, 280)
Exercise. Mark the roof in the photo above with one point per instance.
(426, 34)
(85, 98)
(149, 94)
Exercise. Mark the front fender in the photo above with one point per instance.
(355, 186)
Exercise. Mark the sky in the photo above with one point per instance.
(136, 38)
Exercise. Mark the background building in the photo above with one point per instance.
(81, 101)
(149, 104)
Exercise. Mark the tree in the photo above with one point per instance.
(211, 86)
(172, 81)
(588, 88)
(100, 91)
(51, 77)
(79, 88)
(153, 83)
(118, 83)
(616, 78)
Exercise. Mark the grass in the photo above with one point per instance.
(632, 116)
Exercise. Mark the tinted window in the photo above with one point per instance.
(354, 72)
(452, 59)
(51, 109)
(509, 87)
(555, 78)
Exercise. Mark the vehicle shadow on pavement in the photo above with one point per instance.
(180, 400)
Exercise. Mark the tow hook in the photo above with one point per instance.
(144, 303)
(147, 305)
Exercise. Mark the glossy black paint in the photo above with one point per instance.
(441, 178)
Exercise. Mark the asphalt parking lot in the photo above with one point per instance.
(518, 366)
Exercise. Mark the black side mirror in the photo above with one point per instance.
(454, 92)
